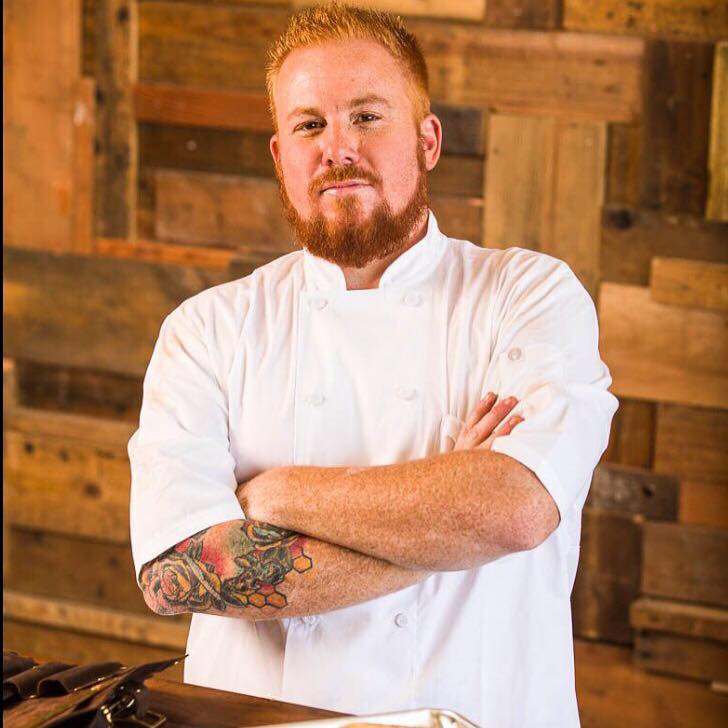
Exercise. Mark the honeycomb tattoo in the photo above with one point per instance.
(186, 575)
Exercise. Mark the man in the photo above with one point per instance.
(322, 474)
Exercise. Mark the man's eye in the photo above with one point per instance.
(309, 126)
(367, 117)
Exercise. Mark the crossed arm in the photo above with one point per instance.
(375, 531)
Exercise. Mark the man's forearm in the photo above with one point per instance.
(452, 511)
(255, 571)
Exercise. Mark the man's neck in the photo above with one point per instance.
(370, 275)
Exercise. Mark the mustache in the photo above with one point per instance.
(343, 174)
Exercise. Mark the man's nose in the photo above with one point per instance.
(340, 145)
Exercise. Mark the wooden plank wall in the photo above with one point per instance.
(137, 173)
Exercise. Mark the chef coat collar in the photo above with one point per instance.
(409, 269)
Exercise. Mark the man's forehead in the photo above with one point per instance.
(351, 71)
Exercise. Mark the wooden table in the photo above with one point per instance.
(189, 705)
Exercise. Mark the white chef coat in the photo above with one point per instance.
(286, 366)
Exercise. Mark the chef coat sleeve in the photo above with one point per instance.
(182, 471)
(547, 355)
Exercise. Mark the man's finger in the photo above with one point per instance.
(499, 412)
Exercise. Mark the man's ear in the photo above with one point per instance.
(274, 150)
(431, 136)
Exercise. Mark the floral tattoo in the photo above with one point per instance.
(189, 575)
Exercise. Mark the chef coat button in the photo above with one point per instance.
(514, 354)
(405, 392)
(316, 399)
(412, 299)
(401, 620)
(310, 620)
(318, 303)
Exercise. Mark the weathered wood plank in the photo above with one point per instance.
(523, 14)
(632, 435)
(458, 175)
(109, 434)
(76, 648)
(84, 132)
(624, 169)
(60, 485)
(662, 353)
(193, 107)
(459, 217)
(675, 134)
(680, 618)
(681, 282)
(634, 490)
(226, 151)
(681, 656)
(717, 205)
(79, 391)
(690, 443)
(704, 503)
(632, 237)
(86, 326)
(201, 208)
(152, 631)
(612, 691)
(79, 569)
(157, 251)
(41, 62)
(685, 562)
(699, 18)
(463, 10)
(608, 578)
(545, 189)
(115, 71)
(572, 74)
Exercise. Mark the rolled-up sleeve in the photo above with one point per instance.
(546, 354)
(182, 471)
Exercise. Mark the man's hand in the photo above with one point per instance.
(479, 430)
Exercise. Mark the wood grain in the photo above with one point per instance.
(704, 503)
(87, 326)
(545, 189)
(680, 618)
(662, 353)
(699, 18)
(632, 435)
(675, 135)
(624, 167)
(632, 237)
(634, 490)
(681, 282)
(84, 132)
(690, 443)
(463, 10)
(115, 70)
(153, 630)
(571, 74)
(717, 204)
(685, 562)
(669, 654)
(60, 485)
(202, 208)
(612, 692)
(106, 578)
(41, 62)
(523, 14)
(196, 107)
(608, 578)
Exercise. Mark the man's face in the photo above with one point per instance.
(350, 159)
